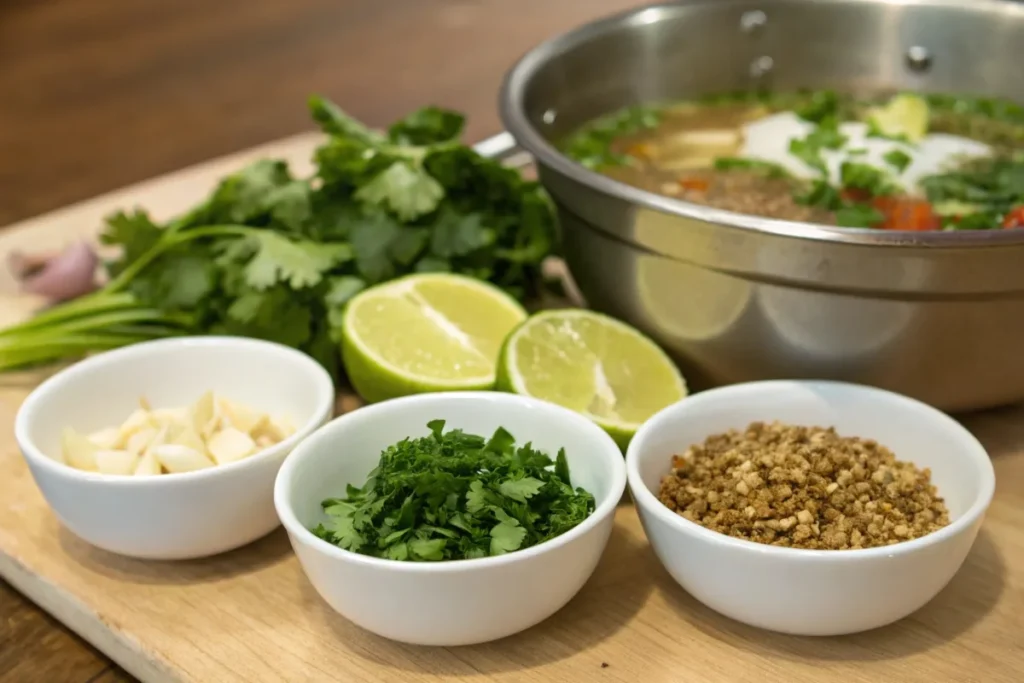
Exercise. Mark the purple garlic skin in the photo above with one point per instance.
(61, 276)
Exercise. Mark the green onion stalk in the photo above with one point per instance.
(109, 318)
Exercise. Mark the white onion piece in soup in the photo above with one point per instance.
(694, 149)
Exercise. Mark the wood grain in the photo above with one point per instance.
(251, 616)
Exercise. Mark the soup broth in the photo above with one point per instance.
(899, 162)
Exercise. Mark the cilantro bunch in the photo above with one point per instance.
(453, 496)
(276, 257)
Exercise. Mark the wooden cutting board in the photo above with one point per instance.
(250, 616)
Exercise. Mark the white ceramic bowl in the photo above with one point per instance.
(171, 516)
(462, 601)
(813, 592)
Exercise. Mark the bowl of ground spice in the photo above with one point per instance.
(806, 507)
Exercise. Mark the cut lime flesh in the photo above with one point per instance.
(422, 333)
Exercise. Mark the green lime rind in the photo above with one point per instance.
(660, 377)
(376, 379)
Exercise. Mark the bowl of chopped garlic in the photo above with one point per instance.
(807, 507)
(169, 449)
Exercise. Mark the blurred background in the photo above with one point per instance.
(95, 95)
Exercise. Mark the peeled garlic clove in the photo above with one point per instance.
(203, 412)
(140, 440)
(107, 439)
(170, 416)
(116, 462)
(78, 451)
(136, 422)
(238, 416)
(147, 466)
(176, 458)
(276, 431)
(159, 438)
(185, 435)
(229, 445)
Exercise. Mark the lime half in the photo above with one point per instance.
(592, 364)
(422, 333)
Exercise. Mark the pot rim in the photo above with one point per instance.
(515, 120)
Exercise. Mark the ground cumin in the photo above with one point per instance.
(803, 487)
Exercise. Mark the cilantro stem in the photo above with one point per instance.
(170, 240)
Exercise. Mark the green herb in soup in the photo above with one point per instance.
(905, 162)
(454, 496)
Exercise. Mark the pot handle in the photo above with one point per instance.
(501, 147)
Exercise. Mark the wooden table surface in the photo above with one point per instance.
(98, 94)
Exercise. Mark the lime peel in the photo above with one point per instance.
(377, 377)
(657, 370)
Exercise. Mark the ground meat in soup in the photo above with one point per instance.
(742, 191)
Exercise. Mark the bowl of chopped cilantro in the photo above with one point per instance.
(451, 519)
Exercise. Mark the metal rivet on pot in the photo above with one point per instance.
(761, 66)
(549, 116)
(752, 22)
(919, 58)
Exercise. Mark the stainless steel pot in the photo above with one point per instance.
(938, 316)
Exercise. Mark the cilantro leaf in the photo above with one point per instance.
(406, 189)
(334, 121)
(820, 106)
(506, 536)
(184, 280)
(372, 237)
(135, 233)
(427, 549)
(458, 235)
(340, 528)
(501, 441)
(247, 195)
(809, 149)
(562, 467)
(270, 314)
(898, 159)
(300, 263)
(858, 216)
(822, 194)
(865, 177)
(436, 428)
(406, 246)
(520, 489)
(476, 497)
(808, 153)
(430, 125)
(453, 495)
(432, 264)
(290, 205)
(341, 289)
